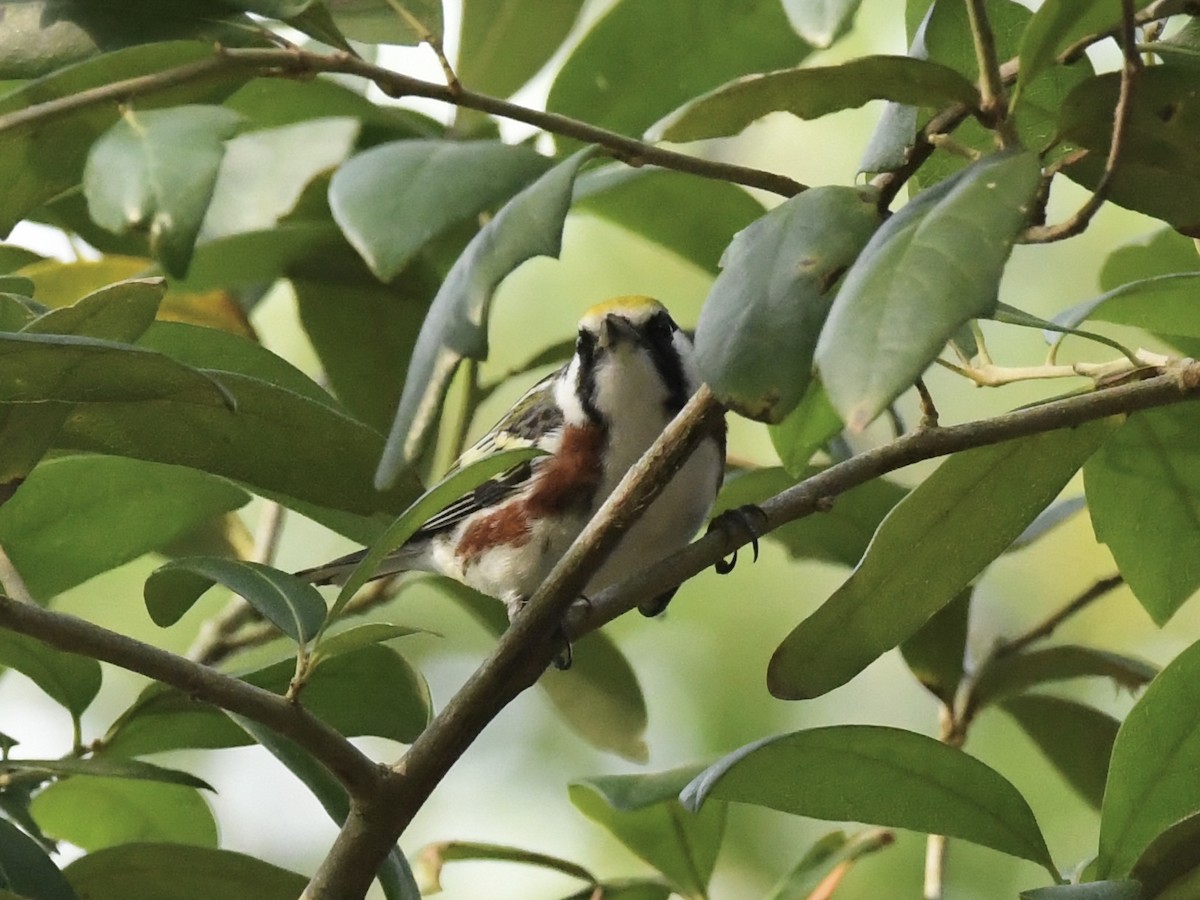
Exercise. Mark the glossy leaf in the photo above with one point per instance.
(1148, 473)
(1012, 674)
(504, 44)
(26, 870)
(770, 301)
(289, 603)
(635, 44)
(883, 776)
(933, 266)
(643, 812)
(153, 871)
(393, 199)
(1165, 304)
(1059, 23)
(39, 160)
(812, 92)
(1159, 173)
(935, 654)
(343, 691)
(1094, 890)
(155, 171)
(100, 767)
(70, 680)
(1151, 779)
(52, 526)
(93, 813)
(529, 225)
(1169, 860)
(694, 218)
(823, 22)
(599, 697)
(1077, 739)
(930, 546)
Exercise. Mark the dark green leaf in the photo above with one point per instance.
(935, 654)
(392, 200)
(1165, 252)
(13, 257)
(1165, 304)
(1152, 777)
(359, 636)
(821, 23)
(26, 870)
(810, 93)
(1077, 739)
(503, 44)
(805, 430)
(833, 851)
(770, 301)
(643, 812)
(1143, 491)
(179, 872)
(378, 22)
(102, 812)
(636, 44)
(102, 767)
(883, 776)
(119, 312)
(16, 311)
(694, 218)
(529, 225)
(78, 516)
(1095, 890)
(1159, 174)
(155, 171)
(289, 603)
(1015, 673)
(1169, 860)
(70, 680)
(16, 284)
(343, 691)
(933, 266)
(930, 546)
(40, 159)
(599, 697)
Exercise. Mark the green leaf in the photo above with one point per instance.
(694, 218)
(1151, 779)
(1143, 490)
(392, 200)
(823, 22)
(119, 312)
(930, 546)
(253, 191)
(1095, 890)
(529, 225)
(71, 681)
(26, 870)
(930, 268)
(625, 889)
(1164, 252)
(1054, 332)
(16, 284)
(839, 536)
(1182, 48)
(378, 22)
(1159, 174)
(155, 171)
(882, 776)
(78, 516)
(106, 768)
(635, 44)
(810, 93)
(56, 149)
(1059, 23)
(289, 603)
(599, 697)
(643, 812)
(1077, 739)
(833, 851)
(504, 44)
(359, 636)
(1165, 304)
(433, 858)
(1015, 673)
(805, 430)
(13, 257)
(1169, 861)
(93, 813)
(1047, 520)
(772, 296)
(935, 654)
(343, 691)
(153, 871)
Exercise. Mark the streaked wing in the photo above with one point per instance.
(528, 423)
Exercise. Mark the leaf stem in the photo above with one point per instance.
(993, 102)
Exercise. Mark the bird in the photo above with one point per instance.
(632, 370)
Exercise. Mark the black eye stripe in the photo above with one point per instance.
(660, 340)
(585, 387)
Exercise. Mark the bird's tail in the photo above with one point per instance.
(337, 571)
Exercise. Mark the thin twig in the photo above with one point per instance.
(1077, 223)
(993, 102)
(1045, 629)
(1155, 11)
(929, 413)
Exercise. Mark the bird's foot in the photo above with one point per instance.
(746, 522)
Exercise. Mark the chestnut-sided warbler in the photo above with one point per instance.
(631, 372)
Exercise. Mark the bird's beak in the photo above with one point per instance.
(615, 329)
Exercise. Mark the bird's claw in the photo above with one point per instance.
(751, 520)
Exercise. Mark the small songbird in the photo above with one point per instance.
(631, 372)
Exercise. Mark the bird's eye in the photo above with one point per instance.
(585, 346)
